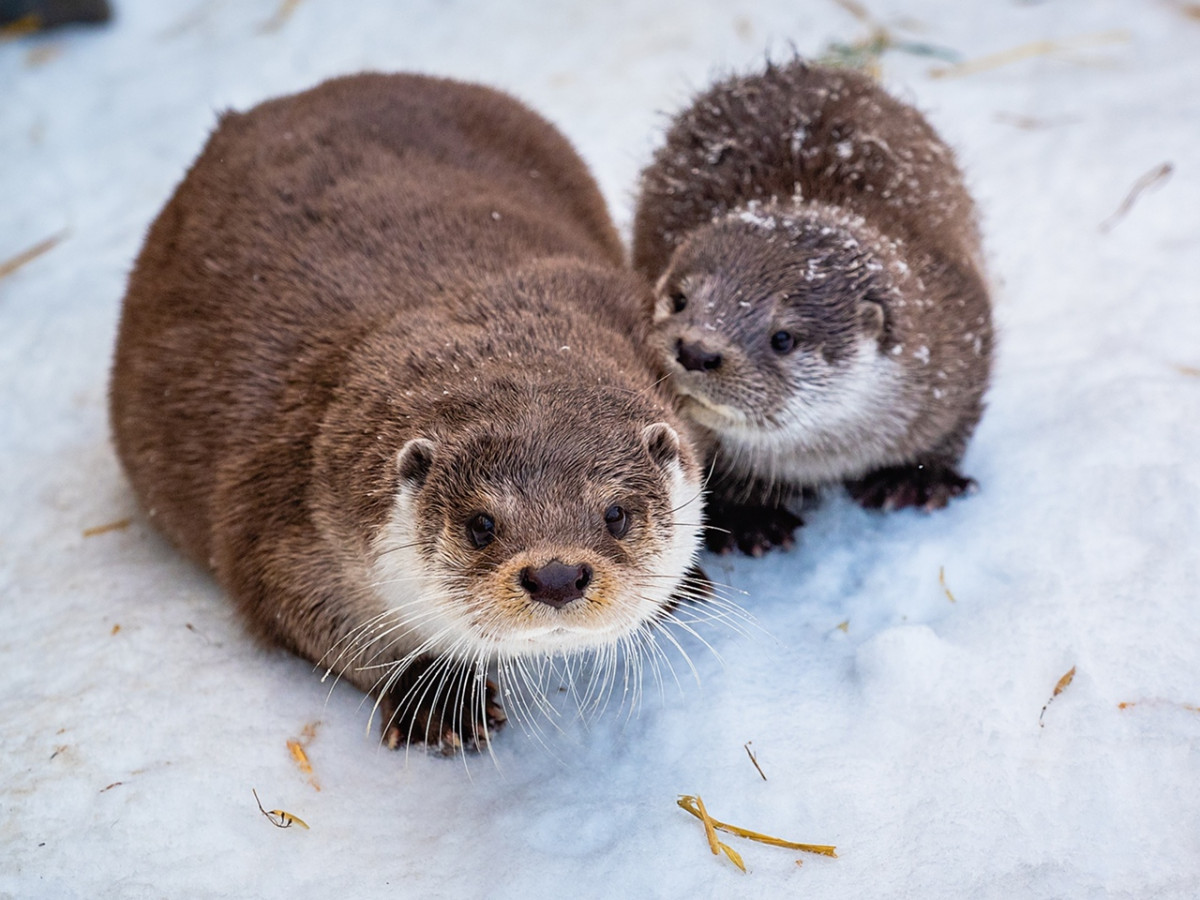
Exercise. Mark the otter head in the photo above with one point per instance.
(537, 525)
(776, 325)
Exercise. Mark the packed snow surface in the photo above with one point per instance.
(893, 684)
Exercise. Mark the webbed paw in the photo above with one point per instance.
(751, 528)
(446, 721)
(926, 486)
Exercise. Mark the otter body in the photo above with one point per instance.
(820, 296)
(379, 369)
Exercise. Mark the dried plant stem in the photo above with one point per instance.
(27, 256)
(1155, 175)
(1027, 51)
(689, 803)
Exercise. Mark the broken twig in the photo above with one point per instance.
(1058, 689)
(754, 759)
(689, 803)
(278, 817)
(1159, 173)
(27, 256)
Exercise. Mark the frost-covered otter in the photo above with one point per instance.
(380, 368)
(820, 296)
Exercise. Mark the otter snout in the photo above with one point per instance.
(556, 584)
(695, 357)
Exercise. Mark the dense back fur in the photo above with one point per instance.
(823, 134)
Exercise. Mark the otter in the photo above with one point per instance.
(382, 369)
(820, 299)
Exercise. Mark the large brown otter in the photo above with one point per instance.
(380, 369)
(820, 296)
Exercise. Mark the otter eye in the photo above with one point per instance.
(617, 521)
(782, 342)
(678, 301)
(481, 529)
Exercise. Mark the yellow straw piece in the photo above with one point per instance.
(1027, 51)
(688, 802)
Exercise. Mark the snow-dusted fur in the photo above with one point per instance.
(820, 300)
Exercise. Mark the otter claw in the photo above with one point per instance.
(441, 728)
(925, 486)
(751, 529)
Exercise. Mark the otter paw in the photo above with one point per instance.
(926, 486)
(442, 726)
(752, 529)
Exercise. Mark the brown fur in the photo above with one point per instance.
(807, 201)
(380, 259)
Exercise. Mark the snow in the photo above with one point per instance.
(894, 716)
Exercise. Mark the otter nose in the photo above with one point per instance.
(556, 584)
(696, 357)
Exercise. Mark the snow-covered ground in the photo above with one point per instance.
(894, 712)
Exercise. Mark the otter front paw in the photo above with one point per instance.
(754, 529)
(927, 486)
(440, 716)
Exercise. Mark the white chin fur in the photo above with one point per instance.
(428, 618)
(828, 433)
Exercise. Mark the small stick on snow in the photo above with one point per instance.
(1154, 176)
(715, 845)
(754, 759)
(301, 758)
(689, 803)
(942, 582)
(119, 525)
(278, 817)
(280, 17)
(27, 256)
(1058, 689)
(1128, 704)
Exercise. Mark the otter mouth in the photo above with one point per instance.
(731, 422)
(556, 639)
(707, 411)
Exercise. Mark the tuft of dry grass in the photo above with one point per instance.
(1029, 51)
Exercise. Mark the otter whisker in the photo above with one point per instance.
(600, 684)
(527, 720)
(538, 694)
(631, 677)
(666, 632)
(651, 651)
(688, 502)
(392, 672)
(358, 647)
(351, 638)
(687, 629)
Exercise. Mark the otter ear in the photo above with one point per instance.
(414, 460)
(662, 443)
(871, 318)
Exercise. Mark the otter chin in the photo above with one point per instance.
(381, 369)
(820, 304)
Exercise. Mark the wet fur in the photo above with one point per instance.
(368, 312)
(807, 200)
